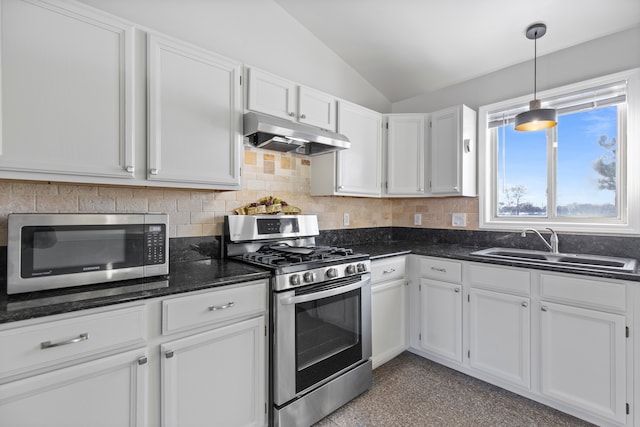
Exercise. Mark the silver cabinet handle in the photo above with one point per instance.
(129, 169)
(389, 271)
(455, 189)
(303, 116)
(79, 338)
(153, 171)
(420, 189)
(441, 270)
(221, 307)
(340, 187)
(456, 290)
(543, 308)
(525, 304)
(291, 114)
(168, 354)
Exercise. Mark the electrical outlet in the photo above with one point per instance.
(417, 219)
(459, 220)
(345, 219)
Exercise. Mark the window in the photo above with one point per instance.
(580, 175)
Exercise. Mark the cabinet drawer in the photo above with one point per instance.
(213, 306)
(502, 279)
(46, 344)
(439, 269)
(590, 292)
(388, 269)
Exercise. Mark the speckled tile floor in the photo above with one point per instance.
(412, 391)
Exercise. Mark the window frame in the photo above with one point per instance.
(628, 221)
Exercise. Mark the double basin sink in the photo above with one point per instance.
(571, 261)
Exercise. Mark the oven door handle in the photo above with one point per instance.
(322, 294)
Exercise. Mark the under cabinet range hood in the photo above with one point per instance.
(273, 133)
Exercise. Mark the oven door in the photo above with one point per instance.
(320, 331)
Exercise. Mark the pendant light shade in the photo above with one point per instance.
(536, 118)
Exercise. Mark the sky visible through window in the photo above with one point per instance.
(582, 139)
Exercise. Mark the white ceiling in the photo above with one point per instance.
(405, 48)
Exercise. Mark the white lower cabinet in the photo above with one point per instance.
(499, 335)
(441, 319)
(192, 359)
(216, 377)
(561, 339)
(109, 391)
(388, 309)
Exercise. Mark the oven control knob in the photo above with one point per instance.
(294, 280)
(361, 267)
(309, 277)
(332, 272)
(351, 269)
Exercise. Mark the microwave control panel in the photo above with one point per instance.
(155, 239)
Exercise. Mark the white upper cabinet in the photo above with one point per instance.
(405, 155)
(67, 93)
(356, 171)
(270, 94)
(453, 152)
(195, 115)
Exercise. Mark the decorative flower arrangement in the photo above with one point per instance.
(268, 205)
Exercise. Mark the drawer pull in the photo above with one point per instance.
(168, 354)
(441, 270)
(221, 307)
(79, 338)
(389, 271)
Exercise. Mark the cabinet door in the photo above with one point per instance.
(359, 168)
(583, 359)
(445, 151)
(316, 108)
(405, 155)
(389, 320)
(216, 378)
(270, 94)
(499, 331)
(441, 319)
(107, 392)
(195, 115)
(67, 93)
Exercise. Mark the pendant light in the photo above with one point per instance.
(536, 118)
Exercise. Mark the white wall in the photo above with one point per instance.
(606, 55)
(255, 32)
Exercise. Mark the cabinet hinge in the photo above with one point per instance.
(240, 171)
(420, 337)
(240, 80)
(430, 125)
(419, 288)
(468, 297)
(429, 184)
(387, 125)
(626, 333)
(469, 354)
(265, 330)
(628, 409)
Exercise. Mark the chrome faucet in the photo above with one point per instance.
(552, 246)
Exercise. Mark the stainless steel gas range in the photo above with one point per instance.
(320, 316)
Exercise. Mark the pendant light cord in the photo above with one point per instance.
(535, 64)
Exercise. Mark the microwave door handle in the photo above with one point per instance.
(322, 294)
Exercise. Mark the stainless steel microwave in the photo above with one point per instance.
(49, 251)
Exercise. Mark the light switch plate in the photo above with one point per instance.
(459, 220)
(417, 219)
(345, 219)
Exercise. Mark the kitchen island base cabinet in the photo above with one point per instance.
(215, 378)
(107, 392)
(583, 359)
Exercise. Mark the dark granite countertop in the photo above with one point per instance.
(183, 277)
(462, 252)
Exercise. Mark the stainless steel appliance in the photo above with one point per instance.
(320, 315)
(48, 251)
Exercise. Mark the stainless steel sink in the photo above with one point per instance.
(575, 261)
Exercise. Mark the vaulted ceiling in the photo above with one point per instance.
(406, 48)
